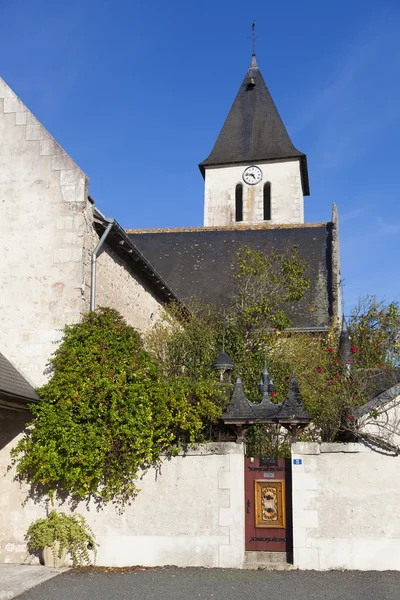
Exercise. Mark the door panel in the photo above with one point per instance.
(269, 497)
(268, 523)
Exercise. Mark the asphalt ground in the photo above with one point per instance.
(171, 583)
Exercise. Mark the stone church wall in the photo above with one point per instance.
(42, 197)
(346, 501)
(119, 287)
(189, 514)
(46, 241)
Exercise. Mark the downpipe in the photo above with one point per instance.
(94, 262)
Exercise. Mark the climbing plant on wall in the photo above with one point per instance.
(108, 412)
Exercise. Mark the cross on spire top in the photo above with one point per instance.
(253, 37)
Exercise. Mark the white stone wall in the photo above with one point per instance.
(287, 202)
(119, 287)
(384, 422)
(346, 507)
(42, 197)
(191, 514)
(46, 242)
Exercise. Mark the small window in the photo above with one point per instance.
(267, 202)
(239, 202)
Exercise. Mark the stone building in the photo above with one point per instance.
(255, 182)
(60, 257)
(49, 229)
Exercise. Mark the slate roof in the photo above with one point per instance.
(199, 262)
(383, 387)
(241, 410)
(254, 131)
(126, 249)
(239, 407)
(13, 384)
(293, 408)
(223, 362)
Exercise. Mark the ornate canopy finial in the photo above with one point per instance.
(266, 385)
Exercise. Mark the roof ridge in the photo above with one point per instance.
(229, 228)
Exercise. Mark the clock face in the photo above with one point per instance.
(252, 175)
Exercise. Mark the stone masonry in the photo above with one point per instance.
(47, 237)
(287, 202)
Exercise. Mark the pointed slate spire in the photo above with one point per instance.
(345, 344)
(292, 409)
(254, 130)
(239, 407)
(253, 68)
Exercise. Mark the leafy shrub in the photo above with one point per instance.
(107, 413)
(65, 532)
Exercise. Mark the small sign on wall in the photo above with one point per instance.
(297, 461)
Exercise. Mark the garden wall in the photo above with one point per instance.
(346, 507)
(189, 514)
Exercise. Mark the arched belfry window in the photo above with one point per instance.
(267, 202)
(239, 202)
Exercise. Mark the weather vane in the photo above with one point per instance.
(253, 37)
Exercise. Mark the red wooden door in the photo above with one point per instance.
(268, 522)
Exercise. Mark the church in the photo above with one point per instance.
(255, 182)
(62, 257)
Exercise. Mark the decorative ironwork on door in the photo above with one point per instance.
(270, 504)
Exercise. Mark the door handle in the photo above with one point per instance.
(248, 504)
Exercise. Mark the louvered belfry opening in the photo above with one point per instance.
(239, 203)
(267, 202)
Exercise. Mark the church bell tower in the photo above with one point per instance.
(254, 175)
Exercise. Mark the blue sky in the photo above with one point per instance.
(136, 93)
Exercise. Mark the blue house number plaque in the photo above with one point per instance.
(297, 461)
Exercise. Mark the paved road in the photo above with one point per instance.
(218, 584)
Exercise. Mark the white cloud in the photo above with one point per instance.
(384, 228)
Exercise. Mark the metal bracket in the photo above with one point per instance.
(266, 468)
(264, 539)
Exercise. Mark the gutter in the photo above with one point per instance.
(131, 250)
(12, 401)
(95, 254)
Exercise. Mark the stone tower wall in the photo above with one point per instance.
(287, 202)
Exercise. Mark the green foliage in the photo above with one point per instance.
(114, 403)
(70, 531)
(264, 286)
(331, 390)
(248, 325)
(107, 413)
(375, 333)
(253, 329)
(268, 440)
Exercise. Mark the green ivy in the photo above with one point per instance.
(107, 413)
